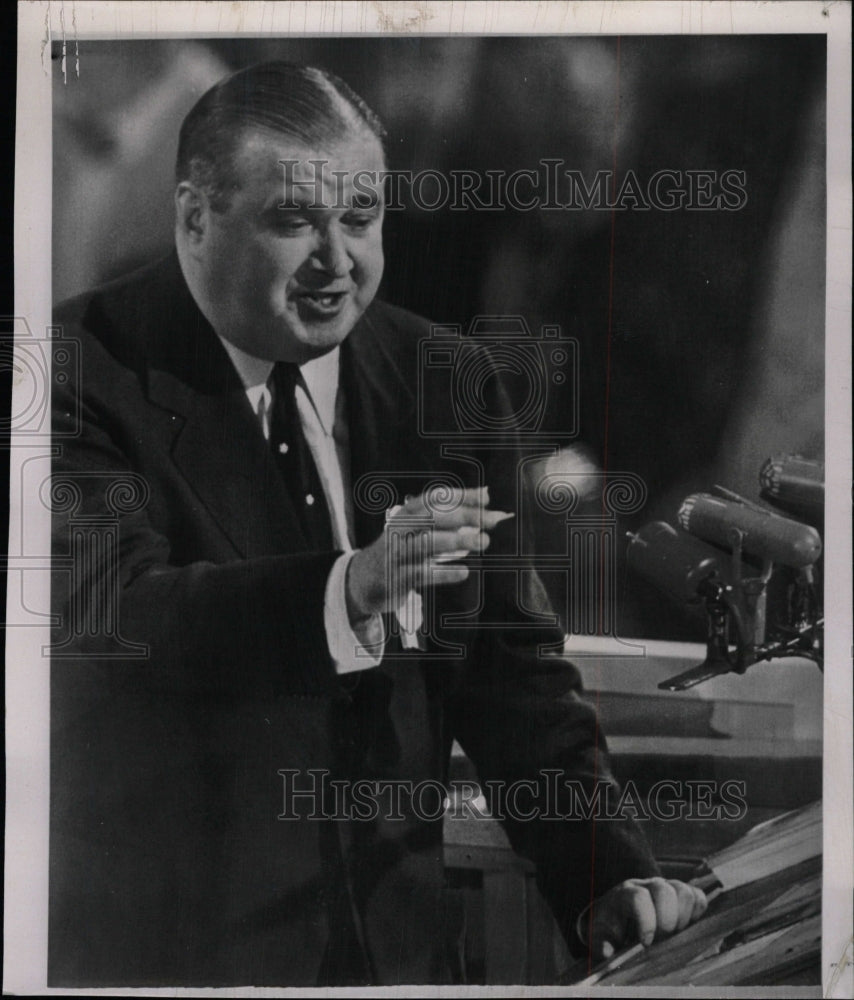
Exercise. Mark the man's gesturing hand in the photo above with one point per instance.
(640, 909)
(411, 558)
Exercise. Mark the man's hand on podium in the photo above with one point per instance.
(640, 910)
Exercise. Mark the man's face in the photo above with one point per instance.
(290, 283)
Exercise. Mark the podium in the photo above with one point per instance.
(763, 728)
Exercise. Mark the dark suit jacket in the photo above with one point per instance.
(169, 864)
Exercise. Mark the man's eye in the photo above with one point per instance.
(359, 220)
(292, 223)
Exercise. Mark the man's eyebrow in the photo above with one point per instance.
(360, 201)
(298, 194)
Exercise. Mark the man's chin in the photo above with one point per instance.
(319, 338)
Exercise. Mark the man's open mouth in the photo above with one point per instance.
(321, 303)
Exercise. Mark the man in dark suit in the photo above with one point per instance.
(257, 397)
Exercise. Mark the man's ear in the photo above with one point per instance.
(192, 214)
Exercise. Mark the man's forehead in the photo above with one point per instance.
(280, 159)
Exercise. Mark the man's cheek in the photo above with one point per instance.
(372, 275)
(277, 295)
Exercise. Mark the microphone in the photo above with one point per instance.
(764, 533)
(795, 484)
(677, 563)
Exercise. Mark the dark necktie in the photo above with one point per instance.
(294, 459)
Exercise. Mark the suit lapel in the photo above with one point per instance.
(218, 447)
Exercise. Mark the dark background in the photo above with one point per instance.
(702, 333)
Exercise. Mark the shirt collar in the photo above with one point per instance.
(320, 376)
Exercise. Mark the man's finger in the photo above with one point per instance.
(627, 913)
(452, 507)
(686, 900)
(641, 913)
(476, 517)
(441, 498)
(456, 517)
(414, 547)
(607, 933)
(701, 902)
(469, 538)
(666, 905)
(443, 574)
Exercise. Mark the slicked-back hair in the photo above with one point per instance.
(309, 105)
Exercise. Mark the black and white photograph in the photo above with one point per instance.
(430, 542)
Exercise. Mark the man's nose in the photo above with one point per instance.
(332, 254)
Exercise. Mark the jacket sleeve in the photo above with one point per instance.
(543, 763)
(519, 715)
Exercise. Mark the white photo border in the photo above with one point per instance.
(27, 687)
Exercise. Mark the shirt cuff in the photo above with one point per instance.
(352, 648)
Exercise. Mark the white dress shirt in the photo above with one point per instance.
(320, 404)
